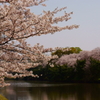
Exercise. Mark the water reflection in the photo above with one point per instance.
(45, 91)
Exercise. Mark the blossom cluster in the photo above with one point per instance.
(71, 59)
(17, 24)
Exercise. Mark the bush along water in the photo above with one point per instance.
(77, 67)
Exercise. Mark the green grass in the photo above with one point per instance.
(2, 97)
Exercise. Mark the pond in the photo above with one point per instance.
(20, 90)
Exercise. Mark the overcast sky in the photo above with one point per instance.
(86, 13)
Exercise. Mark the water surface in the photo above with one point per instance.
(20, 90)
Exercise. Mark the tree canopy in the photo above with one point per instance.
(17, 24)
(66, 51)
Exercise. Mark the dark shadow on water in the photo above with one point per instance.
(48, 91)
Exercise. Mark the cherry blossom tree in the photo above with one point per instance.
(71, 60)
(17, 24)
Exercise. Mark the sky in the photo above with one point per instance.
(86, 13)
